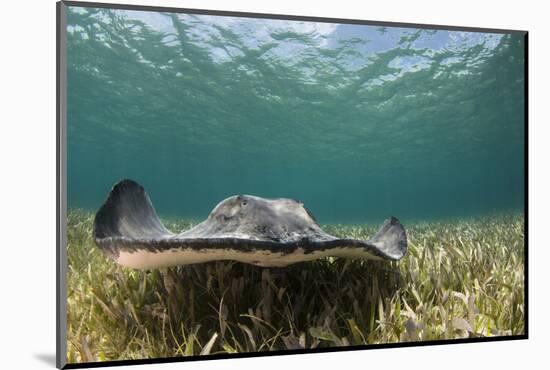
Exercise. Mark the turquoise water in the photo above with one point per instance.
(358, 122)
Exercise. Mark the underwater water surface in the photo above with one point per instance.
(358, 122)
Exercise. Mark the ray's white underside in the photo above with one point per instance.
(144, 259)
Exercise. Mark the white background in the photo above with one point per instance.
(28, 177)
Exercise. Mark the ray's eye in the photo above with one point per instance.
(244, 203)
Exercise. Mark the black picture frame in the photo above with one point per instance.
(61, 185)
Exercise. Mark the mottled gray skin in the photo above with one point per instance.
(250, 217)
(246, 224)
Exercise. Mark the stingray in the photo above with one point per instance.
(245, 228)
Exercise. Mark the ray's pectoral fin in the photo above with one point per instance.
(127, 215)
(390, 239)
